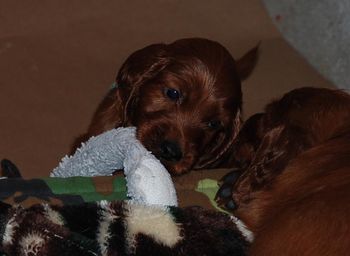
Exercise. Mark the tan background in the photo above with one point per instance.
(58, 58)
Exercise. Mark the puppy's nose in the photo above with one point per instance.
(170, 151)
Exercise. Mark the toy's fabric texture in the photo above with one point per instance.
(117, 228)
(147, 179)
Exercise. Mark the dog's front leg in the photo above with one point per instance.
(278, 147)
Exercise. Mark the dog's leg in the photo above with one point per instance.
(245, 148)
(280, 145)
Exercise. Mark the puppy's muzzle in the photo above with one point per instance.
(170, 151)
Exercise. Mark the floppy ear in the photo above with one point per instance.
(248, 140)
(115, 108)
(217, 156)
(140, 67)
(246, 64)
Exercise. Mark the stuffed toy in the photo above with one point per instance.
(148, 181)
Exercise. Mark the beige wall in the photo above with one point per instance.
(58, 58)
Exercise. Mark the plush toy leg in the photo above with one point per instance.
(148, 181)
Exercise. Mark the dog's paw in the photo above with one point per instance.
(224, 197)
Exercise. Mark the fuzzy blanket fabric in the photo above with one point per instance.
(117, 228)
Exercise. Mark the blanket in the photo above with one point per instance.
(117, 228)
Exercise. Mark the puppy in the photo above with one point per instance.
(184, 98)
(293, 190)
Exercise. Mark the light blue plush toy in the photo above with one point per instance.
(148, 182)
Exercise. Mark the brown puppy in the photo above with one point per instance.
(294, 191)
(184, 98)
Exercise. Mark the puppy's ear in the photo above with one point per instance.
(140, 67)
(214, 157)
(248, 140)
(246, 64)
(116, 107)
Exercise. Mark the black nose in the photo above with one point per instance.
(170, 151)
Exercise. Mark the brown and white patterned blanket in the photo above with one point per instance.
(117, 228)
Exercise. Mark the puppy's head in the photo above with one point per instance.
(184, 98)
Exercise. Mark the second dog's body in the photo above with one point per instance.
(294, 191)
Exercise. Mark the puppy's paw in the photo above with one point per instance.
(224, 197)
(231, 177)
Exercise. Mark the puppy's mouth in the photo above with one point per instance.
(176, 168)
(170, 153)
(174, 160)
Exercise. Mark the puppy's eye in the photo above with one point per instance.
(172, 94)
(214, 125)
